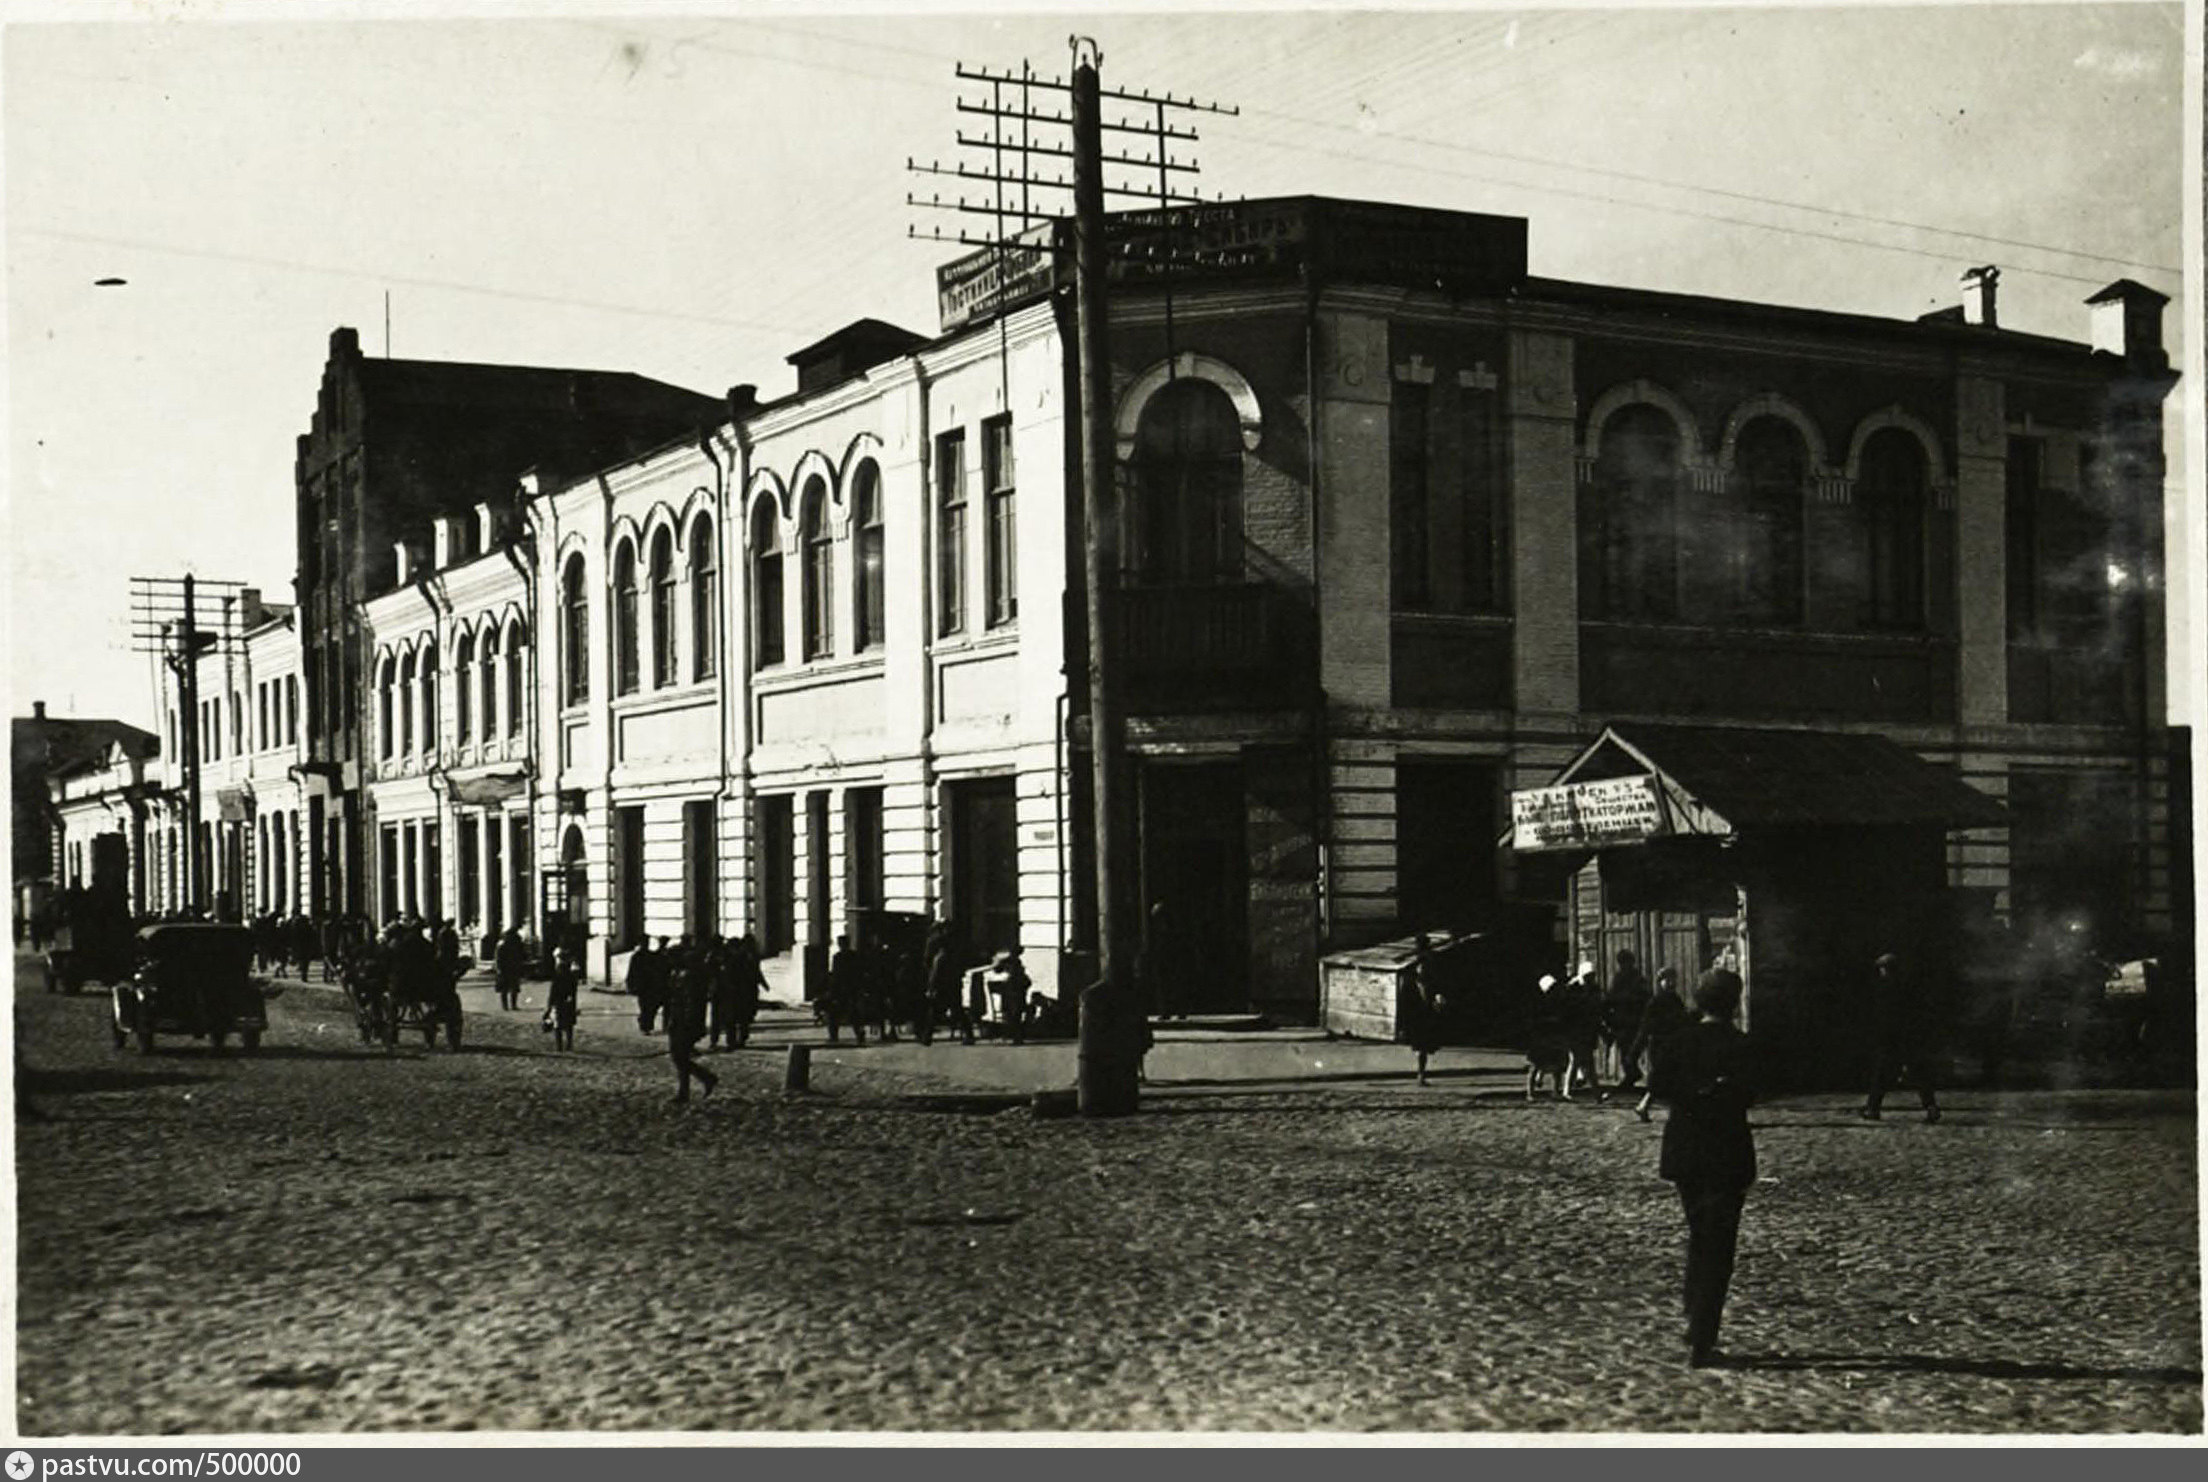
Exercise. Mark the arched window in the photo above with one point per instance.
(517, 639)
(766, 586)
(488, 681)
(1188, 486)
(577, 873)
(820, 570)
(575, 633)
(705, 600)
(386, 678)
(1890, 510)
(866, 559)
(429, 700)
(1759, 550)
(625, 650)
(1629, 524)
(663, 609)
(406, 706)
(463, 710)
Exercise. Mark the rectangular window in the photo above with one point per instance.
(471, 880)
(291, 710)
(1003, 546)
(950, 532)
(700, 872)
(1410, 534)
(260, 716)
(2021, 533)
(1484, 507)
(863, 861)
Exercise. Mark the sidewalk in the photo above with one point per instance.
(1193, 1056)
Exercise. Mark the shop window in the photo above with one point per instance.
(1188, 486)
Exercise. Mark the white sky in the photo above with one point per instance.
(694, 196)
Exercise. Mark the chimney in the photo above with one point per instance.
(38, 709)
(402, 562)
(250, 611)
(2127, 321)
(1979, 285)
(743, 400)
(486, 526)
(449, 540)
(344, 344)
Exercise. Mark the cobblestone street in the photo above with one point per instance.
(324, 1237)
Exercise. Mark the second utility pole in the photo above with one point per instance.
(1112, 1016)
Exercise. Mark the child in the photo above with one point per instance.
(1547, 1054)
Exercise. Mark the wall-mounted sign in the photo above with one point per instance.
(981, 283)
(1587, 815)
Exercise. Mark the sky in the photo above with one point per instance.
(692, 196)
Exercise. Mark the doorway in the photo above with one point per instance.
(983, 867)
(777, 874)
(628, 874)
(1196, 882)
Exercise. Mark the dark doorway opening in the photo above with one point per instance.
(776, 854)
(983, 867)
(1196, 883)
(1445, 831)
(628, 874)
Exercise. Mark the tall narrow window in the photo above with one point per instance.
(406, 706)
(1629, 530)
(488, 682)
(1003, 551)
(663, 609)
(291, 710)
(766, 586)
(386, 682)
(463, 708)
(430, 681)
(1483, 506)
(1762, 549)
(2021, 528)
(1188, 486)
(705, 600)
(950, 532)
(819, 574)
(574, 634)
(260, 716)
(237, 722)
(625, 651)
(866, 578)
(1890, 506)
(1410, 497)
(517, 639)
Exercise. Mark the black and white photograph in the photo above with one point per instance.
(1055, 724)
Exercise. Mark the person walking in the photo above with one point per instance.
(685, 1006)
(1623, 1005)
(1548, 1057)
(738, 989)
(946, 982)
(647, 982)
(508, 959)
(845, 1002)
(1009, 983)
(1705, 1079)
(1902, 1023)
(1579, 1006)
(1421, 1005)
(562, 1003)
(1665, 1016)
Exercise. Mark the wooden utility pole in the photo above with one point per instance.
(1112, 1012)
(165, 622)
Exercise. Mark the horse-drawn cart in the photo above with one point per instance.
(396, 989)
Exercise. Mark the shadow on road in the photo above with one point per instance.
(1924, 1363)
(102, 1078)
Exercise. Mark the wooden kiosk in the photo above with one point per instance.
(1800, 856)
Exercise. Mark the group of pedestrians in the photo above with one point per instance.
(298, 942)
(695, 990)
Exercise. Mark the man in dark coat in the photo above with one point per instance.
(686, 1023)
(561, 1005)
(648, 983)
(947, 981)
(1665, 1016)
(846, 1002)
(509, 959)
(738, 985)
(1623, 1004)
(1902, 1021)
(1705, 1077)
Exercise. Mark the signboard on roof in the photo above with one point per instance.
(981, 283)
(1588, 815)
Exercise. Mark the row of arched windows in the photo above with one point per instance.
(629, 612)
(1665, 537)
(816, 553)
(489, 695)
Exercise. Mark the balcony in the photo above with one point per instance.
(1230, 646)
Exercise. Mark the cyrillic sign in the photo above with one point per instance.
(1587, 815)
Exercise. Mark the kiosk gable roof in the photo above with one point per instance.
(1770, 778)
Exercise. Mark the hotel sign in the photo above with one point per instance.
(1587, 815)
(981, 283)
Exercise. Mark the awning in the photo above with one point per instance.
(1639, 782)
(486, 788)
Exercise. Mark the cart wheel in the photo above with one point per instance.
(145, 1039)
(251, 1039)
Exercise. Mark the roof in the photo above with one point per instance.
(530, 388)
(1755, 778)
(868, 332)
(54, 743)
